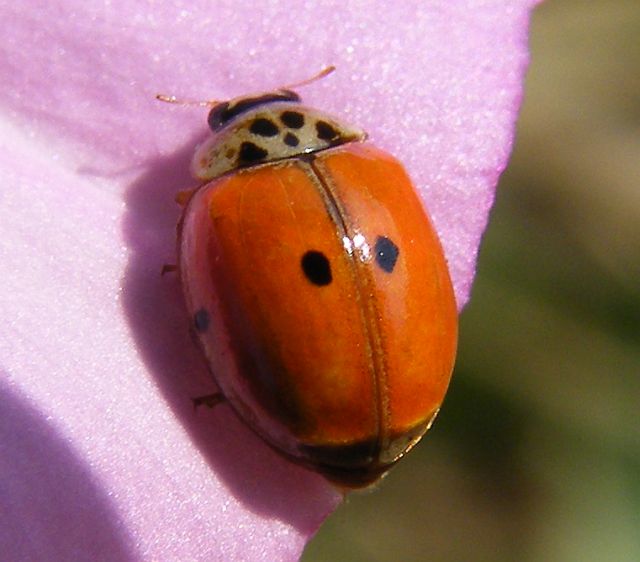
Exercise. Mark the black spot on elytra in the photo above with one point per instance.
(316, 268)
(291, 140)
(292, 119)
(250, 153)
(201, 320)
(326, 131)
(264, 127)
(386, 253)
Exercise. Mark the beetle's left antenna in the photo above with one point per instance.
(178, 101)
(211, 103)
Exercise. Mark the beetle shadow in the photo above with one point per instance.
(52, 507)
(266, 483)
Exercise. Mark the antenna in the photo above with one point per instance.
(324, 72)
(178, 101)
(212, 103)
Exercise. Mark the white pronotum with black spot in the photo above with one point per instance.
(266, 129)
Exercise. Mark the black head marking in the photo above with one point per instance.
(386, 253)
(264, 127)
(326, 131)
(251, 153)
(222, 113)
(316, 268)
(292, 119)
(291, 140)
(201, 320)
(217, 116)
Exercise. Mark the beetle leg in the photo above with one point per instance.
(183, 197)
(210, 400)
(168, 268)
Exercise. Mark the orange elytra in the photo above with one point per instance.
(316, 286)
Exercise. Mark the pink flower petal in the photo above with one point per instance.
(101, 454)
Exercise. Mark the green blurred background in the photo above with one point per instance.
(536, 453)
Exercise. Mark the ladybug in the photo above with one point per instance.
(316, 285)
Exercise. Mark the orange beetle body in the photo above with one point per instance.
(317, 287)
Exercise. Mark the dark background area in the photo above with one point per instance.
(536, 452)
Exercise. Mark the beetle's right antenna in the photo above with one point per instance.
(324, 72)
(212, 103)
